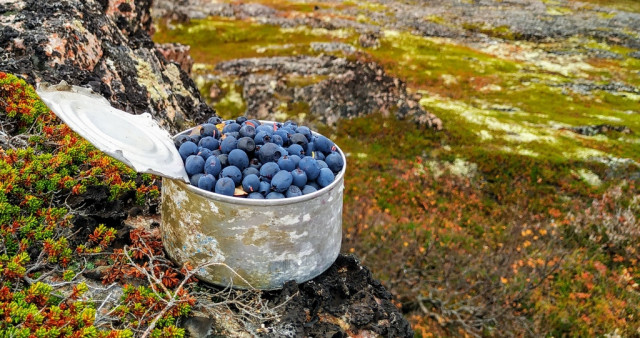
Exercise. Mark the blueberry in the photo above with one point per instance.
(231, 127)
(255, 196)
(248, 131)
(239, 159)
(314, 185)
(299, 139)
(209, 129)
(228, 144)
(262, 138)
(322, 164)
(281, 181)
(217, 152)
(284, 135)
(247, 144)
(207, 182)
(251, 184)
(186, 149)
(309, 149)
(265, 187)
(234, 134)
(180, 139)
(308, 189)
(241, 119)
(255, 163)
(214, 120)
(295, 159)
(335, 162)
(310, 167)
(209, 143)
(224, 159)
(250, 171)
(318, 155)
(194, 179)
(205, 153)
(268, 129)
(326, 177)
(277, 139)
(290, 123)
(268, 170)
(274, 195)
(233, 173)
(212, 166)
(283, 151)
(304, 131)
(295, 149)
(324, 144)
(225, 186)
(293, 191)
(290, 131)
(269, 153)
(195, 138)
(285, 163)
(194, 164)
(299, 178)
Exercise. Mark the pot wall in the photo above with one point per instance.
(259, 244)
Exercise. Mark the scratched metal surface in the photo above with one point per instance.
(266, 245)
(259, 243)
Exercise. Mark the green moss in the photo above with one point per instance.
(231, 103)
(219, 39)
(502, 32)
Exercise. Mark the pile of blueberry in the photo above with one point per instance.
(246, 158)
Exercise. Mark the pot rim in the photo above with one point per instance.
(265, 202)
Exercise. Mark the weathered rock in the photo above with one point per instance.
(344, 301)
(599, 129)
(103, 45)
(351, 89)
(177, 53)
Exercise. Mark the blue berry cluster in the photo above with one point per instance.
(247, 158)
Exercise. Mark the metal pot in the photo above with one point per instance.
(252, 243)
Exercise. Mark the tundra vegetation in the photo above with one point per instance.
(521, 216)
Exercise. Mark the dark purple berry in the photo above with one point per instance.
(212, 166)
(299, 178)
(308, 190)
(310, 167)
(225, 186)
(269, 153)
(238, 158)
(209, 143)
(186, 149)
(268, 170)
(251, 184)
(293, 191)
(285, 163)
(335, 162)
(325, 178)
(233, 173)
(194, 164)
(207, 182)
(274, 195)
(228, 144)
(281, 181)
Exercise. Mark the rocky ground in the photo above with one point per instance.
(105, 45)
(537, 104)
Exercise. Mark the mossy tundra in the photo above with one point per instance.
(505, 222)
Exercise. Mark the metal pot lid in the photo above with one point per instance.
(136, 140)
